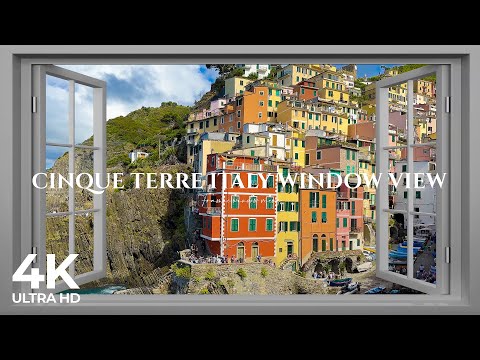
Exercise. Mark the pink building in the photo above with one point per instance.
(349, 218)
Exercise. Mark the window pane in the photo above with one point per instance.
(84, 164)
(56, 230)
(424, 111)
(397, 246)
(56, 163)
(57, 98)
(83, 114)
(84, 243)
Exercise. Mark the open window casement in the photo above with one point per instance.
(68, 110)
(409, 203)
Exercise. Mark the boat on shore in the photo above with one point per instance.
(340, 282)
(376, 290)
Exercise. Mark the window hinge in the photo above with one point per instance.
(34, 104)
(447, 254)
(34, 251)
(448, 103)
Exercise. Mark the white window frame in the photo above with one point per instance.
(443, 219)
(39, 214)
(15, 105)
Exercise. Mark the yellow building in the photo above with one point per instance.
(195, 128)
(235, 86)
(287, 222)
(424, 87)
(396, 94)
(313, 115)
(292, 74)
(331, 86)
(210, 146)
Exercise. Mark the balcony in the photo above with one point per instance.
(342, 195)
(192, 131)
(214, 211)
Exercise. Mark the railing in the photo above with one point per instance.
(214, 211)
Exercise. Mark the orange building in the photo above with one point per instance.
(239, 222)
(250, 107)
(317, 221)
(305, 90)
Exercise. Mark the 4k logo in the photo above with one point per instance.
(35, 278)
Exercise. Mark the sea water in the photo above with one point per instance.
(102, 290)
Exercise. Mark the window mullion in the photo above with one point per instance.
(71, 169)
(410, 171)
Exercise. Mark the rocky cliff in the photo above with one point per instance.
(145, 227)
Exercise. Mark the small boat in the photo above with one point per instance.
(340, 282)
(376, 290)
(396, 255)
(351, 288)
(397, 262)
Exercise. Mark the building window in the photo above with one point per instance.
(404, 168)
(348, 154)
(252, 224)
(331, 244)
(235, 202)
(307, 159)
(418, 194)
(338, 223)
(315, 243)
(215, 122)
(262, 93)
(235, 180)
(345, 222)
(269, 102)
(253, 202)
(230, 118)
(269, 202)
(324, 217)
(260, 115)
(296, 156)
(248, 139)
(222, 120)
(282, 226)
(314, 199)
(254, 180)
(270, 182)
(324, 201)
(207, 123)
(281, 206)
(269, 225)
(201, 124)
(314, 216)
(261, 103)
(330, 93)
(405, 194)
(241, 82)
(234, 225)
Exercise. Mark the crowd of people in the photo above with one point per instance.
(428, 276)
(324, 275)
